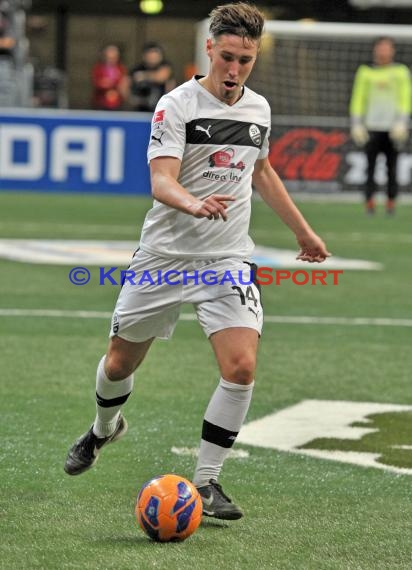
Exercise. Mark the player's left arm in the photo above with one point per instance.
(272, 190)
(404, 93)
(399, 131)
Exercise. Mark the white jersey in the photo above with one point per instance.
(218, 145)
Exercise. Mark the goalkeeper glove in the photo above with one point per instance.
(399, 133)
(359, 134)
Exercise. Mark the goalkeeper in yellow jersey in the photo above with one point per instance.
(380, 108)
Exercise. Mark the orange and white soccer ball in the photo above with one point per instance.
(168, 507)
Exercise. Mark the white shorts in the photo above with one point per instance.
(221, 291)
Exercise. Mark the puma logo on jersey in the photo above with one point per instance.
(200, 128)
(158, 139)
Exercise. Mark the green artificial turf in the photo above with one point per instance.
(301, 512)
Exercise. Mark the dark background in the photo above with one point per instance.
(67, 35)
(323, 10)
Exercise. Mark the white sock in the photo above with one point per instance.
(223, 419)
(110, 396)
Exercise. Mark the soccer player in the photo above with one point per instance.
(380, 107)
(209, 143)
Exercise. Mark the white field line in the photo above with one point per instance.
(345, 321)
(353, 197)
(279, 319)
(34, 226)
(347, 237)
(55, 313)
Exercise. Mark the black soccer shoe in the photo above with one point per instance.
(85, 451)
(217, 504)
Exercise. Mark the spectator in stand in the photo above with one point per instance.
(150, 79)
(109, 78)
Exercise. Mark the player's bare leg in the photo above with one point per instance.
(235, 350)
(114, 384)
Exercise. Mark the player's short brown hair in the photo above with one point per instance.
(240, 19)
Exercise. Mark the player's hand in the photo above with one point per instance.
(313, 249)
(399, 133)
(213, 207)
(359, 135)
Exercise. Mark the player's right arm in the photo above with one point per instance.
(164, 173)
(358, 104)
(165, 154)
(358, 100)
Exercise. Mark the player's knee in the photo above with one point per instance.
(241, 369)
(118, 369)
(124, 357)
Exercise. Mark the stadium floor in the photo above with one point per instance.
(334, 363)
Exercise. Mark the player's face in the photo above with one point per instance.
(384, 52)
(231, 61)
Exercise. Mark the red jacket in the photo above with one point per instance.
(106, 80)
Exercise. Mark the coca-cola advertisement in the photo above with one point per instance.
(325, 159)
